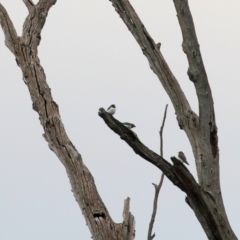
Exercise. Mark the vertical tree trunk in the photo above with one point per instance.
(204, 198)
(25, 50)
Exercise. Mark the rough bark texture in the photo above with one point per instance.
(199, 200)
(24, 48)
(201, 130)
(204, 198)
(206, 152)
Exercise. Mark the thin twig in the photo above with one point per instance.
(157, 187)
(161, 131)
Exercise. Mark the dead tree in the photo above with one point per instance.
(204, 197)
(25, 50)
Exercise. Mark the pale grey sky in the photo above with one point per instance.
(91, 61)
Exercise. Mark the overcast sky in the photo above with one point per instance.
(91, 60)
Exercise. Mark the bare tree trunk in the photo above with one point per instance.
(24, 49)
(204, 198)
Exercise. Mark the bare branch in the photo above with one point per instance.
(133, 141)
(11, 38)
(128, 221)
(155, 58)
(159, 186)
(206, 150)
(82, 182)
(34, 23)
(205, 201)
(29, 4)
(187, 119)
(46, 3)
(203, 138)
(161, 131)
(197, 74)
(203, 206)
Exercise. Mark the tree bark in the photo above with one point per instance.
(25, 49)
(203, 204)
(157, 187)
(201, 130)
(204, 198)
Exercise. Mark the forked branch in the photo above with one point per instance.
(156, 61)
(201, 131)
(179, 175)
(196, 70)
(82, 182)
(11, 38)
(206, 153)
(157, 187)
(197, 74)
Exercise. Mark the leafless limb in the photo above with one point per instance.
(179, 175)
(155, 202)
(25, 50)
(11, 38)
(152, 52)
(196, 70)
(205, 199)
(207, 152)
(29, 4)
(201, 130)
(161, 131)
(198, 76)
(128, 221)
(159, 186)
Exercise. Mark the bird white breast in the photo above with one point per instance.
(127, 126)
(111, 111)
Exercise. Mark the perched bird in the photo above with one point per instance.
(112, 109)
(182, 157)
(129, 125)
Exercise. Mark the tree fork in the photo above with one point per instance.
(203, 206)
(84, 189)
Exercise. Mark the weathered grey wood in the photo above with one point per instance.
(204, 198)
(202, 204)
(208, 139)
(101, 226)
(201, 130)
(206, 152)
(187, 119)
(157, 187)
(9, 31)
(128, 222)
